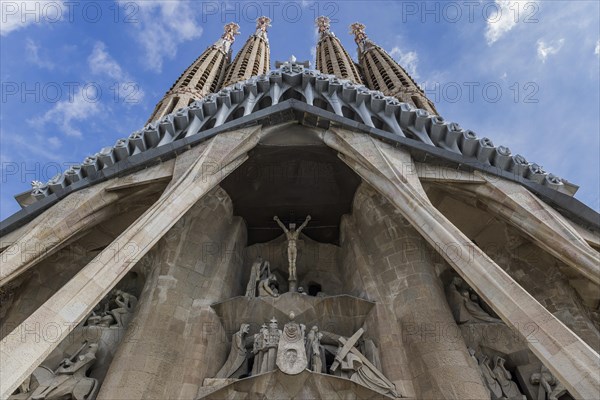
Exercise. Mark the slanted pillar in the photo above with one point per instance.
(388, 170)
(543, 225)
(420, 343)
(178, 340)
(19, 356)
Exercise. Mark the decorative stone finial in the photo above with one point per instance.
(231, 30)
(323, 23)
(358, 30)
(292, 315)
(262, 23)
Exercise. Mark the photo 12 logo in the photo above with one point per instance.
(470, 11)
(28, 12)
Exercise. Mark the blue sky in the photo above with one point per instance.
(79, 75)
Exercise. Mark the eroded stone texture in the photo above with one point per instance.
(395, 269)
(543, 276)
(277, 385)
(178, 340)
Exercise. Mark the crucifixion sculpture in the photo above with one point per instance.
(292, 235)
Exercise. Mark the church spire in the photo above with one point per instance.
(204, 76)
(332, 58)
(254, 58)
(383, 73)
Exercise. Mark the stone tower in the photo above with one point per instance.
(254, 58)
(294, 236)
(383, 73)
(332, 57)
(204, 76)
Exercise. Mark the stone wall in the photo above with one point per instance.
(178, 340)
(387, 261)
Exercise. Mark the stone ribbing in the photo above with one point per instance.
(390, 263)
(355, 103)
(383, 73)
(196, 263)
(204, 76)
(254, 58)
(332, 57)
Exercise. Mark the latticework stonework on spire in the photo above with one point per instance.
(204, 76)
(254, 58)
(383, 73)
(332, 57)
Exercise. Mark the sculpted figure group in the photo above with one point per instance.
(497, 378)
(115, 310)
(67, 381)
(293, 350)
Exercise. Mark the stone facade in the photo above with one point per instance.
(392, 278)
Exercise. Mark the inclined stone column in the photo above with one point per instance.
(419, 340)
(176, 339)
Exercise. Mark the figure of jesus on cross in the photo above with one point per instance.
(292, 237)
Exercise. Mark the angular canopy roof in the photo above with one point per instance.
(294, 92)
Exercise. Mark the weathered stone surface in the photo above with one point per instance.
(390, 263)
(306, 385)
(340, 314)
(100, 275)
(567, 356)
(178, 340)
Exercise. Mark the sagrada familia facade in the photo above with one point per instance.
(300, 233)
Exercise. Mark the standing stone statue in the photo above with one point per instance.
(254, 278)
(311, 336)
(549, 385)
(237, 354)
(317, 354)
(292, 237)
(291, 353)
(260, 270)
(270, 349)
(509, 388)
(257, 349)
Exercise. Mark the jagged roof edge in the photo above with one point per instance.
(310, 116)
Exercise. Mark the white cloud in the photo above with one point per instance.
(544, 50)
(505, 15)
(65, 113)
(101, 63)
(163, 25)
(15, 15)
(597, 49)
(33, 55)
(408, 61)
(54, 142)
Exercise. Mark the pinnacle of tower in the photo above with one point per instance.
(262, 24)
(324, 25)
(231, 30)
(360, 37)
